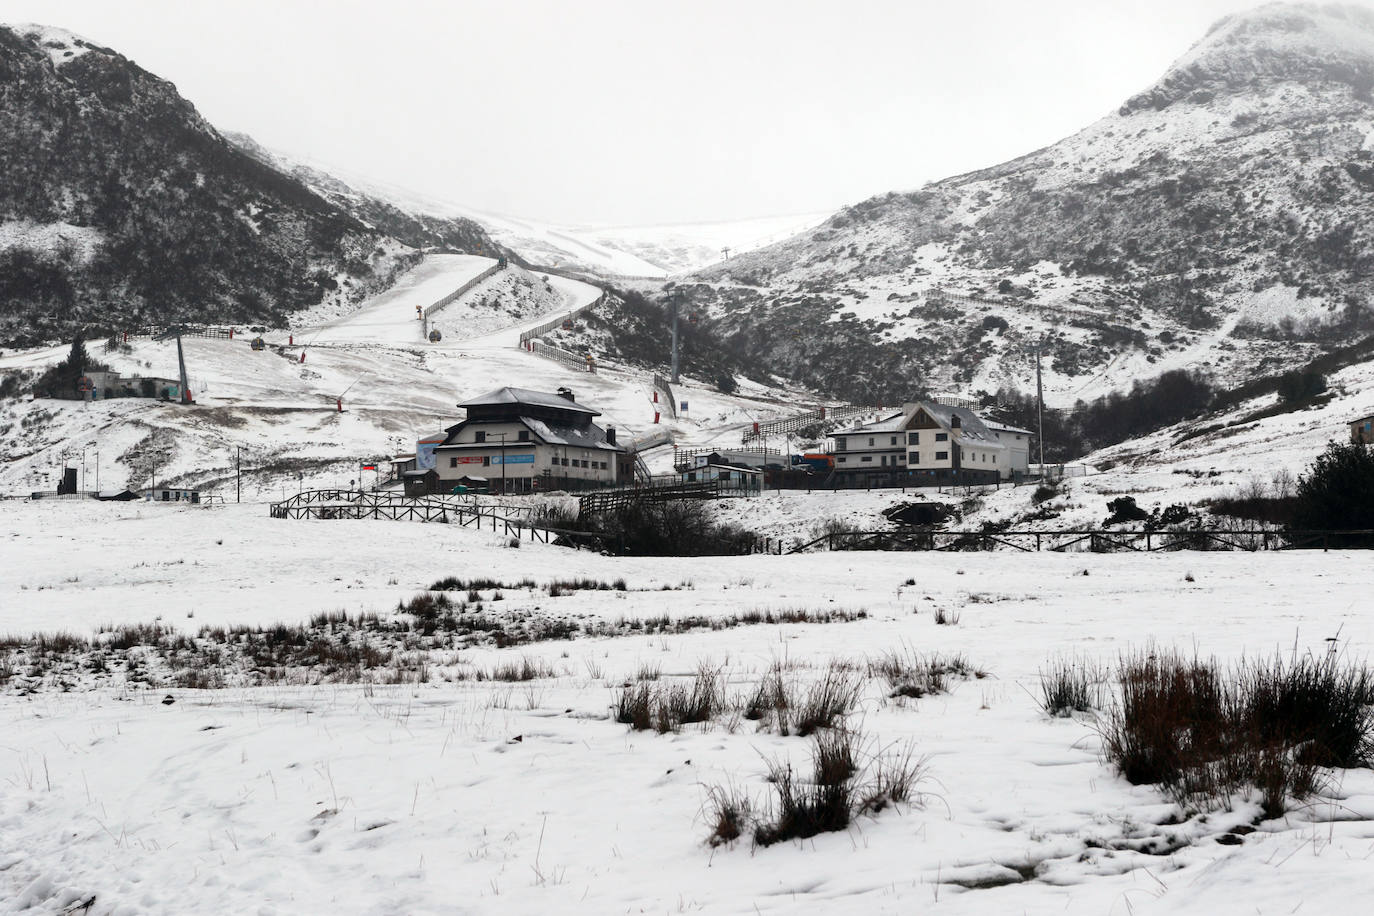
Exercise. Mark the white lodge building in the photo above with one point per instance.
(934, 443)
(521, 441)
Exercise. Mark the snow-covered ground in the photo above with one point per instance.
(501, 797)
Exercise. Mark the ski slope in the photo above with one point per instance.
(390, 317)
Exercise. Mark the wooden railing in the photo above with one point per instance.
(540, 330)
(797, 421)
(457, 294)
(667, 399)
(1097, 540)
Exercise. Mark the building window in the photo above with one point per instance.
(522, 436)
(565, 462)
(942, 456)
(866, 458)
(481, 435)
(841, 444)
(913, 438)
(884, 461)
(486, 461)
(842, 460)
(914, 458)
(894, 441)
(942, 437)
(870, 441)
(453, 462)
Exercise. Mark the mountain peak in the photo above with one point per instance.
(61, 45)
(1277, 42)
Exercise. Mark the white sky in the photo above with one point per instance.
(648, 111)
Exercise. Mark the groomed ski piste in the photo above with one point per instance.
(470, 787)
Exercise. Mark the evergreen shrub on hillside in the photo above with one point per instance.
(1337, 493)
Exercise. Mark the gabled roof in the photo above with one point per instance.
(589, 436)
(515, 397)
(886, 425)
(970, 427)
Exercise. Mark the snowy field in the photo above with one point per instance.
(458, 795)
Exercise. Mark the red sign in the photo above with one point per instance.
(369, 467)
(470, 459)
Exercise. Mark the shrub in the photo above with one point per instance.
(1069, 686)
(1123, 509)
(910, 675)
(783, 706)
(1300, 385)
(1204, 735)
(670, 528)
(729, 815)
(823, 805)
(838, 790)
(526, 669)
(1337, 492)
(667, 707)
(827, 702)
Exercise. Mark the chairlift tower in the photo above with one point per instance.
(176, 331)
(677, 301)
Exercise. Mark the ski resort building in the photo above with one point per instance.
(524, 441)
(929, 443)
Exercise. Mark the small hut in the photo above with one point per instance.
(421, 482)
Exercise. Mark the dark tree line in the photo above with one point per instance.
(1149, 405)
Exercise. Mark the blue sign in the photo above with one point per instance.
(684, 406)
(512, 459)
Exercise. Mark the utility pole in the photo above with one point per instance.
(238, 473)
(97, 472)
(83, 467)
(1040, 406)
(677, 301)
(503, 461)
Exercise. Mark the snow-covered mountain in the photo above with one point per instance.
(120, 205)
(1218, 219)
(625, 251)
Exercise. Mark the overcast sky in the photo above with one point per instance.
(637, 112)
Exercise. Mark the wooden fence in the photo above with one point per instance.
(667, 398)
(1096, 540)
(540, 330)
(502, 519)
(457, 294)
(797, 421)
(559, 355)
(662, 489)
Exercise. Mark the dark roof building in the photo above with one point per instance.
(525, 440)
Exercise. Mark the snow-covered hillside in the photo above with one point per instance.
(1215, 220)
(395, 386)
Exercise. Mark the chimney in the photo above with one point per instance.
(610, 435)
(567, 393)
